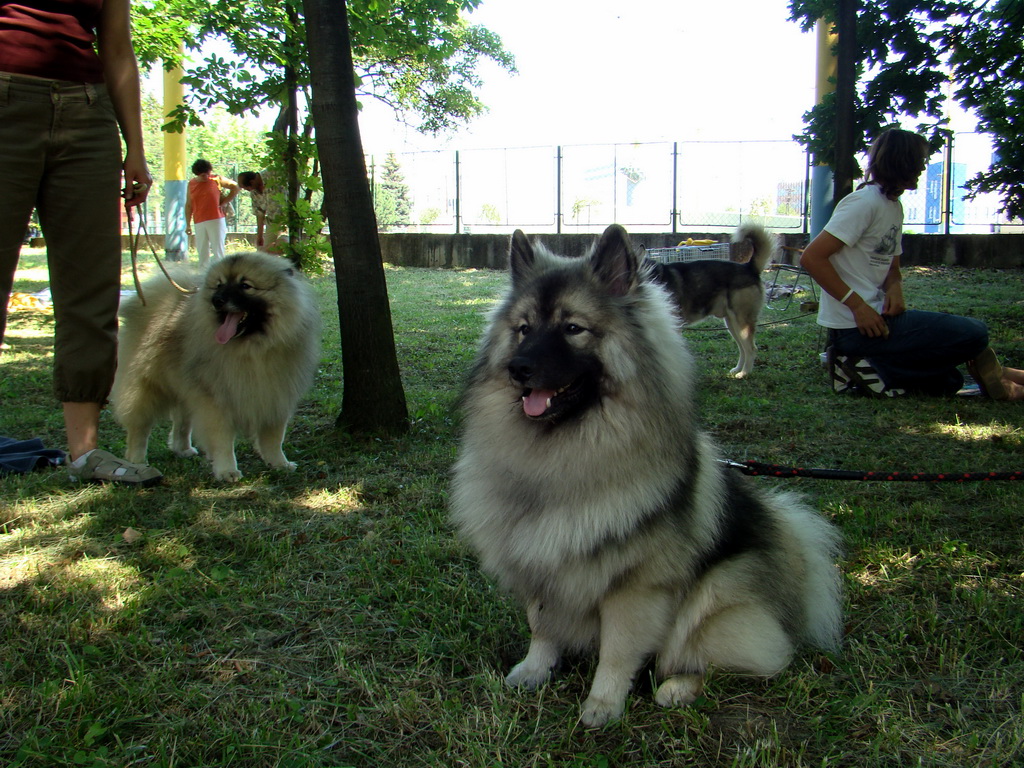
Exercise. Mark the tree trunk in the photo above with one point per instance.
(373, 400)
(846, 83)
(292, 166)
(292, 157)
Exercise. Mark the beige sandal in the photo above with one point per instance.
(98, 466)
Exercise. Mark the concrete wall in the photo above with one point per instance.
(491, 251)
(446, 251)
(990, 251)
(1003, 251)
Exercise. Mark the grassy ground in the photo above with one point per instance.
(328, 618)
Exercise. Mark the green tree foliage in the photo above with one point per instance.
(916, 55)
(419, 56)
(231, 143)
(152, 119)
(391, 197)
(988, 68)
(489, 214)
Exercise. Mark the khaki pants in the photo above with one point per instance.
(60, 153)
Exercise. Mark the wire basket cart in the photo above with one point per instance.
(714, 251)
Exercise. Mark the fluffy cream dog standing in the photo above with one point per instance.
(232, 359)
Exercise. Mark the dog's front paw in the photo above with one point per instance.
(679, 690)
(524, 675)
(185, 453)
(288, 466)
(231, 475)
(135, 454)
(597, 712)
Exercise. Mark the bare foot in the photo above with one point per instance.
(1016, 375)
(1014, 391)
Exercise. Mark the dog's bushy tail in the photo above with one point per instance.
(758, 238)
(817, 546)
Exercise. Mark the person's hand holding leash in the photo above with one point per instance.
(136, 193)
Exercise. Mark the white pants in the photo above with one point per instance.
(210, 237)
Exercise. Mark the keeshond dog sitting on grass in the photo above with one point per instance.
(234, 358)
(587, 489)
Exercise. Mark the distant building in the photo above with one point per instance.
(789, 197)
(933, 222)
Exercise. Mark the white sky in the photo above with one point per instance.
(623, 71)
(630, 71)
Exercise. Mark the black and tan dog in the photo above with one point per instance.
(727, 289)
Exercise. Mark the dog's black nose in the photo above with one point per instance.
(520, 369)
(218, 301)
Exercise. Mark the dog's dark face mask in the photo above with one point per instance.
(242, 301)
(241, 311)
(559, 381)
(557, 359)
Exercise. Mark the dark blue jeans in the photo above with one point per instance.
(922, 351)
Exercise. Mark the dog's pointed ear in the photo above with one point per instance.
(520, 257)
(614, 262)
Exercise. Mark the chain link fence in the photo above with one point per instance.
(670, 187)
(695, 186)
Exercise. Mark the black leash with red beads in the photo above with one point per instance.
(757, 468)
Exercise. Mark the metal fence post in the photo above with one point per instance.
(805, 213)
(675, 186)
(458, 196)
(373, 178)
(558, 189)
(615, 182)
(947, 184)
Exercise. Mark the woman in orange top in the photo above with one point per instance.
(206, 202)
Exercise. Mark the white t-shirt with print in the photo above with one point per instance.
(871, 228)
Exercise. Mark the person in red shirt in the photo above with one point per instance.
(206, 203)
(69, 82)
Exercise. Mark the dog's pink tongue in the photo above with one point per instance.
(535, 403)
(228, 328)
